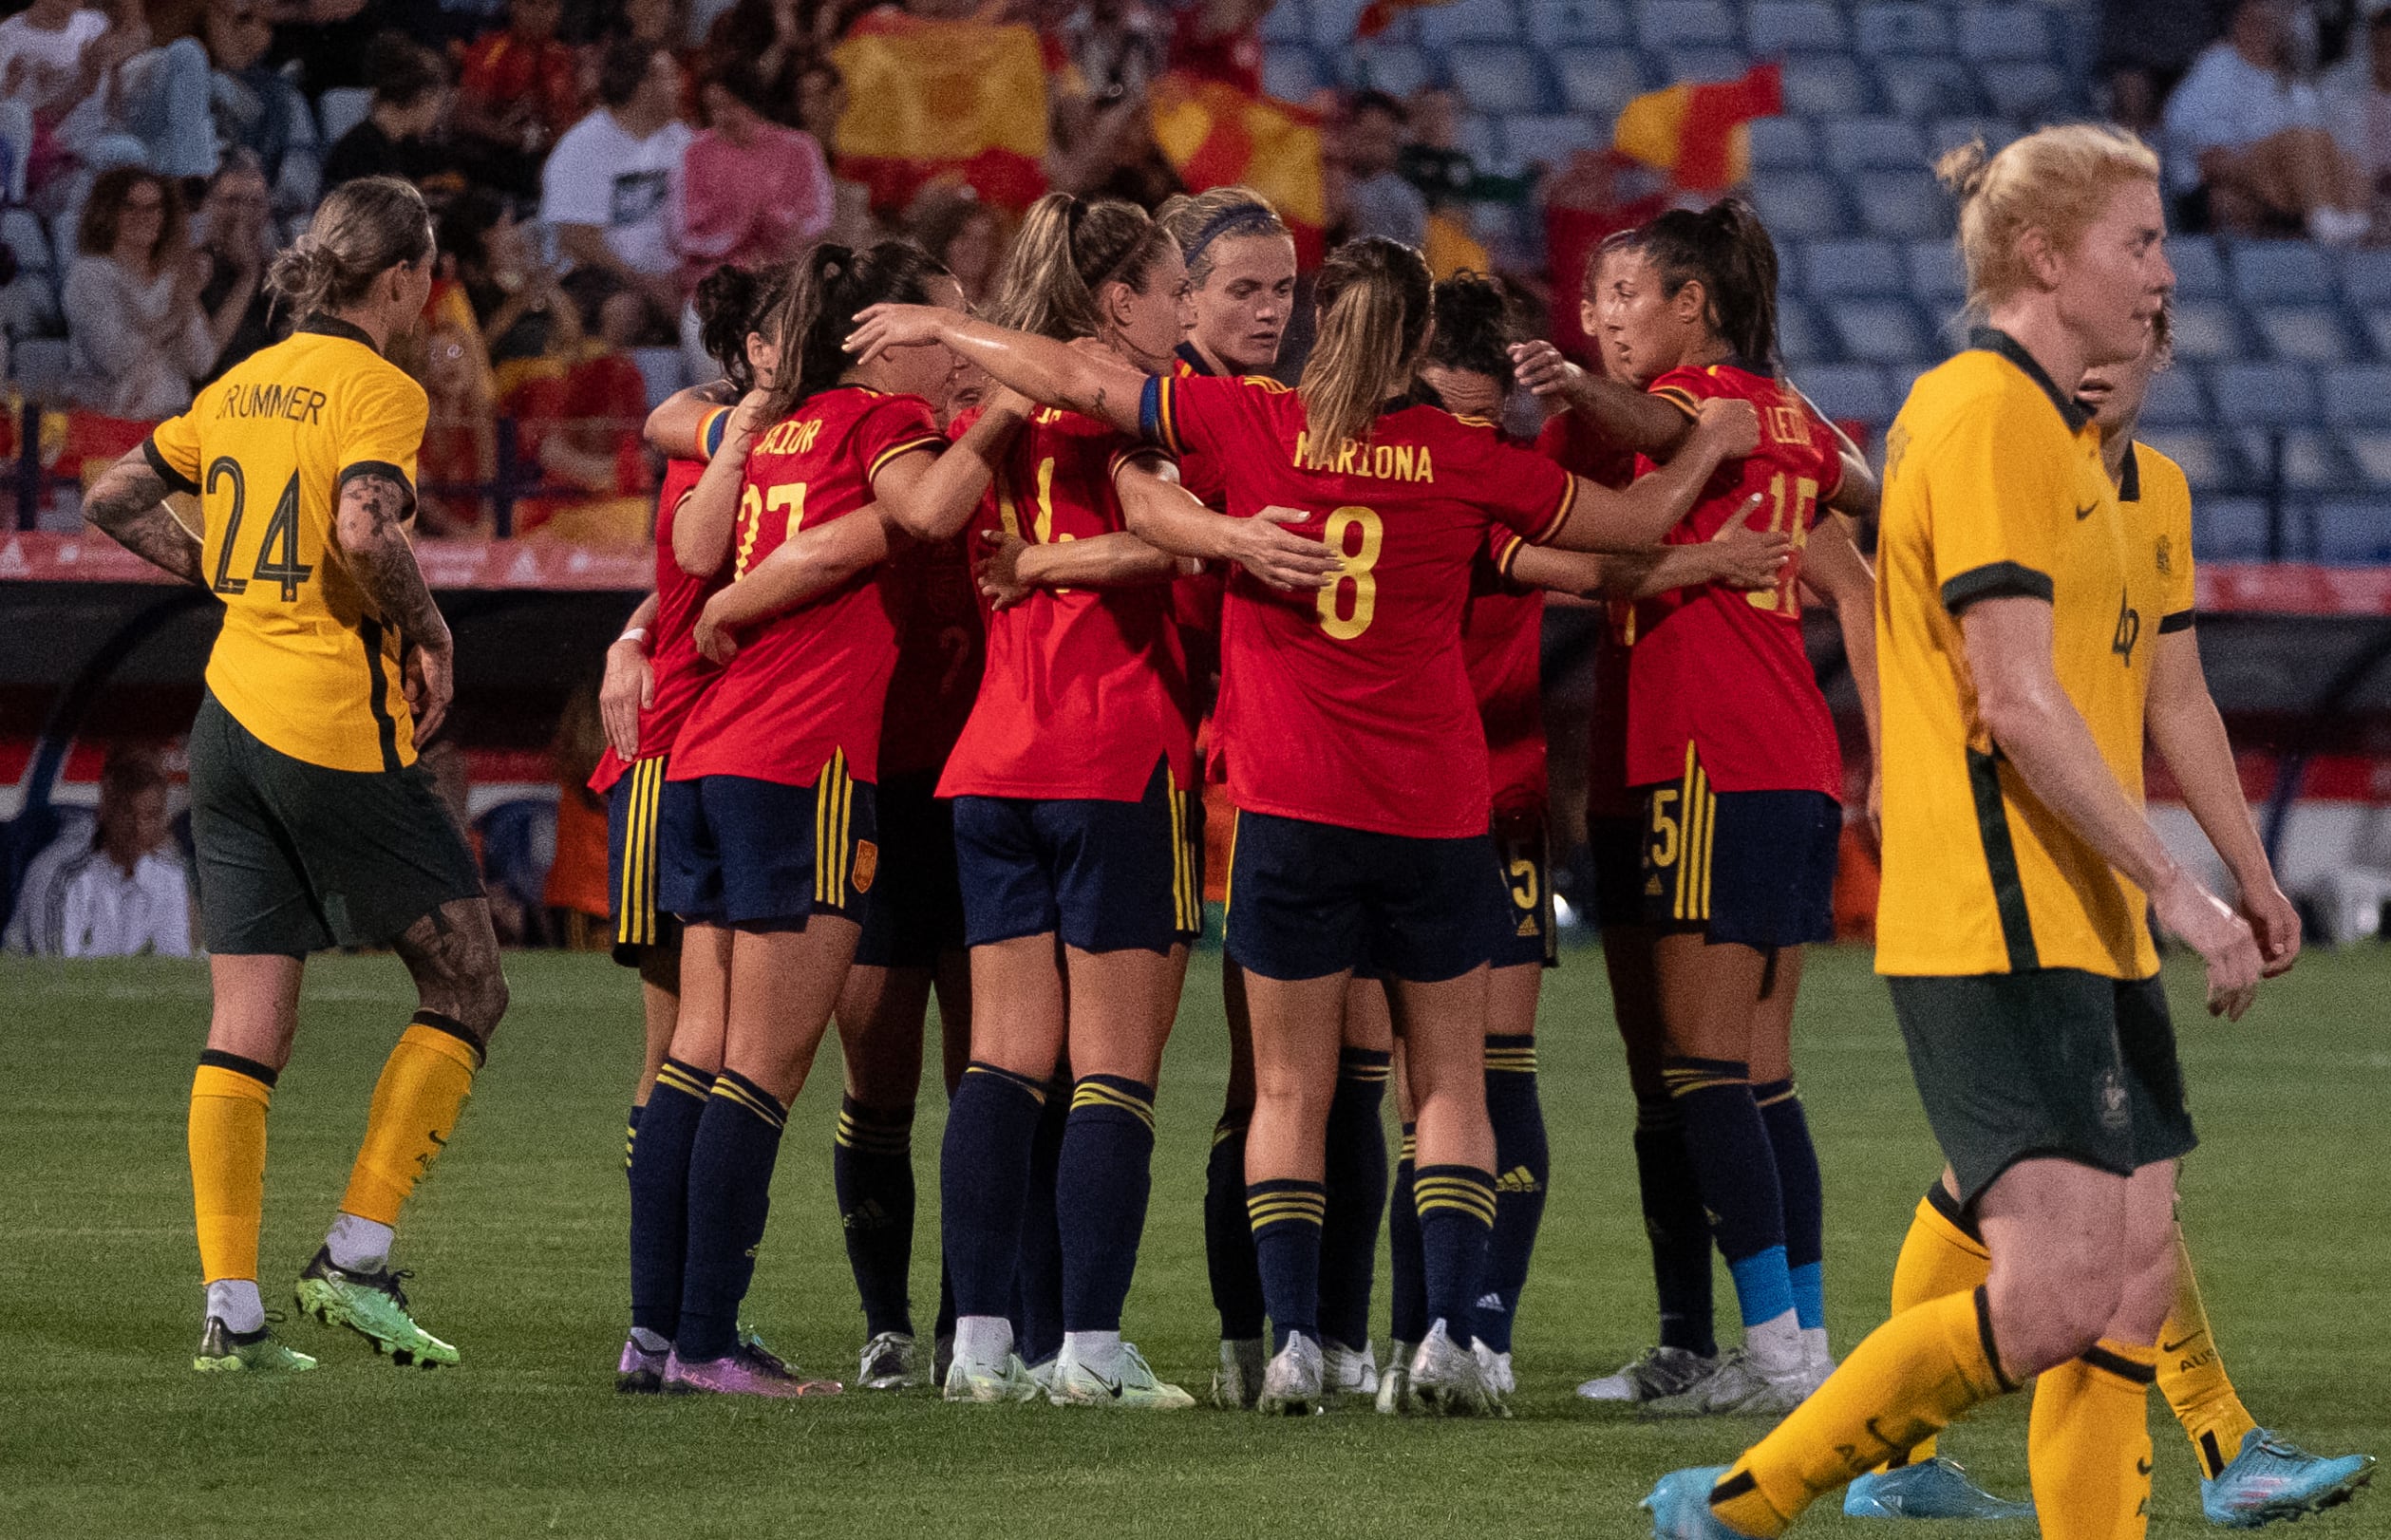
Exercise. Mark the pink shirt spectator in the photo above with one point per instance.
(755, 202)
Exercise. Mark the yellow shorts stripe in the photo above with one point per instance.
(1228, 883)
(635, 898)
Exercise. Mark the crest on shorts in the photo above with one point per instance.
(2113, 1109)
(867, 865)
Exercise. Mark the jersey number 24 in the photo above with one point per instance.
(277, 548)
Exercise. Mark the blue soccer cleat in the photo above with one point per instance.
(2273, 1479)
(1680, 1505)
(1934, 1489)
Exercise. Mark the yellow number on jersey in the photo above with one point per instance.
(1339, 622)
(791, 495)
(1793, 516)
(752, 507)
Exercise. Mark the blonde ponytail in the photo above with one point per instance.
(1066, 253)
(361, 231)
(1376, 298)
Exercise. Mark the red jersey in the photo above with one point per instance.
(1351, 705)
(812, 682)
(1723, 670)
(940, 647)
(1570, 440)
(681, 672)
(1086, 689)
(503, 69)
(1232, 58)
(1502, 647)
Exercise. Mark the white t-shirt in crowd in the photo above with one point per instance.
(76, 902)
(2226, 103)
(47, 54)
(600, 175)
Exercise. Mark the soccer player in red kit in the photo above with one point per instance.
(1340, 706)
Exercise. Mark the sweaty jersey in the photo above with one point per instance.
(1722, 669)
(1086, 689)
(680, 672)
(1571, 442)
(1350, 706)
(810, 683)
(305, 661)
(940, 647)
(1994, 488)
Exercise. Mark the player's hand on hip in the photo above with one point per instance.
(630, 688)
(715, 642)
(1279, 557)
(429, 672)
(2223, 939)
(2275, 921)
(1733, 425)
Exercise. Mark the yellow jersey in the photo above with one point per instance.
(2155, 497)
(305, 661)
(1994, 487)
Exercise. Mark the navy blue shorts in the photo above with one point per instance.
(1525, 935)
(762, 856)
(1309, 899)
(1754, 868)
(1105, 876)
(1615, 851)
(634, 827)
(915, 911)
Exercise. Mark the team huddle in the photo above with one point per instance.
(954, 617)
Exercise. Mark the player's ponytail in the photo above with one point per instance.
(1376, 299)
(1477, 323)
(1727, 251)
(2057, 181)
(731, 302)
(1066, 254)
(827, 288)
(361, 231)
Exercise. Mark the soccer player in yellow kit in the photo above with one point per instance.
(314, 824)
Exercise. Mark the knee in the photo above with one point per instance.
(2050, 1309)
(478, 1000)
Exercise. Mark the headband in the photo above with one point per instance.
(1214, 228)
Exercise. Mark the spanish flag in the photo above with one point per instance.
(1697, 133)
(1379, 14)
(1214, 135)
(929, 101)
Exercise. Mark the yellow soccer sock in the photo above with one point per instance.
(229, 1098)
(423, 1086)
(1941, 1255)
(2191, 1375)
(1905, 1381)
(2088, 1444)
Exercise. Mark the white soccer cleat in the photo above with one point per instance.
(1292, 1380)
(888, 1362)
(1445, 1377)
(1239, 1380)
(1346, 1372)
(1133, 1387)
(990, 1384)
(1660, 1373)
(1495, 1368)
(1736, 1386)
(1394, 1383)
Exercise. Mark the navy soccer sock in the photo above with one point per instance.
(1678, 1228)
(872, 1174)
(1101, 1185)
(1407, 1321)
(1038, 1321)
(1804, 1194)
(1357, 1195)
(731, 1194)
(1457, 1220)
(1236, 1278)
(1728, 1144)
(1286, 1216)
(660, 1196)
(984, 1183)
(1523, 1158)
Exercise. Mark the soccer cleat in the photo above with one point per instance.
(1932, 1489)
(2273, 1479)
(639, 1372)
(1347, 1372)
(1135, 1388)
(990, 1384)
(1734, 1386)
(887, 1363)
(1394, 1383)
(744, 1371)
(941, 1356)
(223, 1350)
(371, 1305)
(1680, 1505)
(1446, 1378)
(1662, 1372)
(1496, 1369)
(1239, 1380)
(1292, 1380)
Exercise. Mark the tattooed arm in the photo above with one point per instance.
(127, 505)
(368, 527)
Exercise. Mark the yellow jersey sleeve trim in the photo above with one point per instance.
(175, 480)
(1560, 514)
(1996, 580)
(1682, 399)
(1166, 416)
(1509, 556)
(928, 442)
(2179, 621)
(372, 467)
(1132, 454)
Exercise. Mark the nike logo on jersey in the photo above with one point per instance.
(2086, 512)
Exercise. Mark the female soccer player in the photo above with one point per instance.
(315, 826)
(1338, 705)
(2018, 874)
(768, 836)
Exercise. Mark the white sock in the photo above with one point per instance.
(234, 1302)
(1775, 1344)
(650, 1342)
(358, 1244)
(983, 1338)
(1099, 1352)
(1814, 1348)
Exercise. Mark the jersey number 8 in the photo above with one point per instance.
(1339, 620)
(277, 550)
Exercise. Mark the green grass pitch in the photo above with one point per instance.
(518, 1238)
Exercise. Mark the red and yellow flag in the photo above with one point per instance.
(1214, 135)
(1379, 14)
(927, 101)
(1696, 132)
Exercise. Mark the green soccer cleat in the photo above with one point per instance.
(223, 1350)
(372, 1305)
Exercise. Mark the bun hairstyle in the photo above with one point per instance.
(2057, 181)
(1478, 320)
(1375, 300)
(731, 302)
(361, 231)
(1726, 247)
(1066, 254)
(817, 309)
(1220, 214)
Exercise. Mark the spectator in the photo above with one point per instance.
(138, 339)
(256, 106)
(517, 91)
(1221, 40)
(1434, 162)
(410, 95)
(952, 224)
(1118, 47)
(118, 891)
(236, 236)
(519, 305)
(1368, 197)
(780, 38)
(108, 98)
(2359, 109)
(2246, 147)
(2145, 47)
(752, 192)
(821, 101)
(609, 187)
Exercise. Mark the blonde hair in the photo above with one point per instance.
(2057, 181)
(1197, 222)
(361, 231)
(1066, 254)
(1376, 299)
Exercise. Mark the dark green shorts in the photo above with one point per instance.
(294, 857)
(2055, 1062)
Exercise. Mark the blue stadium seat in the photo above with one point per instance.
(2359, 396)
(1936, 279)
(1849, 391)
(2175, 400)
(1287, 20)
(2272, 394)
(1991, 35)
(2207, 331)
(340, 109)
(2229, 529)
(1801, 337)
(1671, 24)
(1397, 68)
(1824, 85)
(663, 370)
(1290, 72)
(1332, 24)
(1781, 26)
(2309, 460)
(1555, 23)
(2378, 324)
(39, 367)
(1497, 78)
(1550, 140)
(1869, 143)
(2354, 530)
(21, 231)
(1949, 131)
(2021, 89)
(2307, 334)
(1903, 28)
(1880, 330)
(2199, 266)
(2281, 271)
(1919, 89)
(1706, 64)
(1599, 80)
(2370, 450)
(1782, 144)
(1799, 204)
(2206, 459)
(1905, 204)
(1481, 140)
(1466, 21)
(1853, 268)
(2365, 274)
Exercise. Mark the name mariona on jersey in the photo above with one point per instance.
(1386, 462)
(297, 403)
